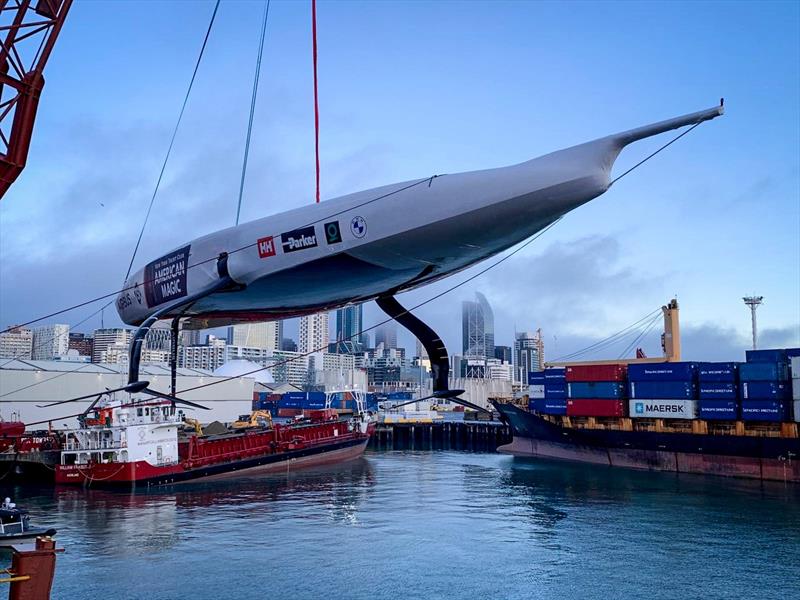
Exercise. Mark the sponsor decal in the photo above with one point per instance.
(333, 235)
(266, 247)
(137, 293)
(358, 227)
(299, 239)
(165, 278)
(674, 408)
(639, 408)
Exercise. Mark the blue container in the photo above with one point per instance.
(314, 400)
(536, 378)
(722, 410)
(606, 390)
(765, 390)
(371, 401)
(765, 410)
(766, 356)
(718, 390)
(668, 390)
(555, 391)
(668, 371)
(548, 407)
(792, 352)
(709, 371)
(763, 371)
(289, 400)
(555, 375)
(399, 396)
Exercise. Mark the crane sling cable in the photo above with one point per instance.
(496, 263)
(252, 106)
(640, 337)
(316, 97)
(613, 338)
(172, 140)
(320, 220)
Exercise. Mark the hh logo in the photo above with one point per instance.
(266, 247)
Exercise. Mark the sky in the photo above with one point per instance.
(410, 89)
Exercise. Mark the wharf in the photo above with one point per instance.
(483, 436)
(29, 466)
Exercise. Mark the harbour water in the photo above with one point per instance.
(429, 525)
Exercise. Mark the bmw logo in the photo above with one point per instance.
(358, 227)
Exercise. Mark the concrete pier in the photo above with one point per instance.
(477, 436)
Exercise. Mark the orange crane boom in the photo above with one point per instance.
(27, 36)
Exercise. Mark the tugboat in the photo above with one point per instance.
(137, 444)
(15, 526)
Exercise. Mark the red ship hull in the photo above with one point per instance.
(235, 455)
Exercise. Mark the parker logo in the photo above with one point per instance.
(266, 247)
(299, 239)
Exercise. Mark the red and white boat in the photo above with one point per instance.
(138, 445)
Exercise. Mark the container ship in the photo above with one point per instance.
(141, 444)
(729, 419)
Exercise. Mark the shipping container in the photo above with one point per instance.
(400, 396)
(766, 356)
(291, 400)
(536, 378)
(289, 412)
(795, 367)
(668, 390)
(710, 390)
(722, 372)
(596, 389)
(314, 400)
(555, 390)
(765, 410)
(595, 407)
(723, 410)
(795, 389)
(555, 375)
(548, 407)
(796, 411)
(536, 391)
(666, 371)
(763, 371)
(792, 352)
(597, 372)
(663, 409)
(765, 390)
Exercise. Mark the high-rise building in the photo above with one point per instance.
(288, 345)
(477, 328)
(313, 333)
(82, 343)
(192, 337)
(386, 334)
(16, 343)
(159, 337)
(528, 354)
(50, 341)
(503, 354)
(104, 339)
(257, 335)
(349, 322)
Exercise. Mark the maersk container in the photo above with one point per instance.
(796, 389)
(765, 410)
(668, 390)
(796, 413)
(597, 372)
(536, 391)
(795, 367)
(555, 375)
(763, 371)
(555, 390)
(765, 390)
(536, 378)
(722, 372)
(720, 410)
(667, 371)
(548, 407)
(719, 389)
(595, 407)
(595, 389)
(766, 356)
(663, 409)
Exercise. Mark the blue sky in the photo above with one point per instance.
(412, 89)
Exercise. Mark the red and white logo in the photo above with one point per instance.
(266, 247)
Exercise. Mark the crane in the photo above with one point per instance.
(28, 31)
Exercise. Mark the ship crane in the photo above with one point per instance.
(24, 50)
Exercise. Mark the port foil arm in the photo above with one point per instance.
(627, 137)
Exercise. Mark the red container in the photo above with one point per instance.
(597, 372)
(596, 408)
(289, 412)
